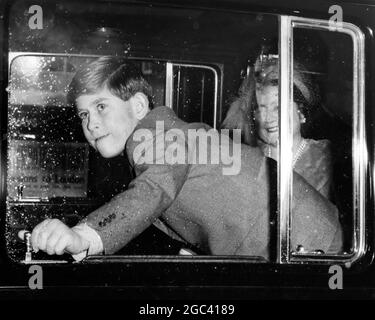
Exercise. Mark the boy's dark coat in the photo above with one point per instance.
(221, 214)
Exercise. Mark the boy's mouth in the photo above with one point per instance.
(102, 137)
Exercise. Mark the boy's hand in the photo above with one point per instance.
(54, 237)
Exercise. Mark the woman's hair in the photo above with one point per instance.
(122, 78)
(266, 73)
(241, 111)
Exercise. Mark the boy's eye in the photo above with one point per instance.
(100, 107)
(82, 115)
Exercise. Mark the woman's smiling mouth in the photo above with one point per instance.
(272, 129)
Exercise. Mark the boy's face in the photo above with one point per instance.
(107, 121)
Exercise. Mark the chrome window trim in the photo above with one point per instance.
(286, 138)
(359, 147)
(14, 54)
(200, 66)
(169, 85)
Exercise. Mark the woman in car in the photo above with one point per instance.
(255, 112)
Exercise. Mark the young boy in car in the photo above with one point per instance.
(219, 214)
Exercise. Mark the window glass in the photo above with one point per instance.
(46, 143)
(322, 140)
(52, 171)
(221, 67)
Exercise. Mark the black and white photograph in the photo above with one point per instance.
(187, 154)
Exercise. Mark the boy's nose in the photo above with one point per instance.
(93, 123)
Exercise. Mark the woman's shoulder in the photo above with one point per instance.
(315, 164)
(319, 146)
(317, 156)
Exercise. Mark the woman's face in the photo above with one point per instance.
(267, 116)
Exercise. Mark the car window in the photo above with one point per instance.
(52, 172)
(328, 102)
(202, 64)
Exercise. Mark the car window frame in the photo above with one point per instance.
(170, 84)
(359, 146)
(360, 153)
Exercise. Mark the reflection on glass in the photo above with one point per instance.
(51, 169)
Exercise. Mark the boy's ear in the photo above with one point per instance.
(140, 105)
